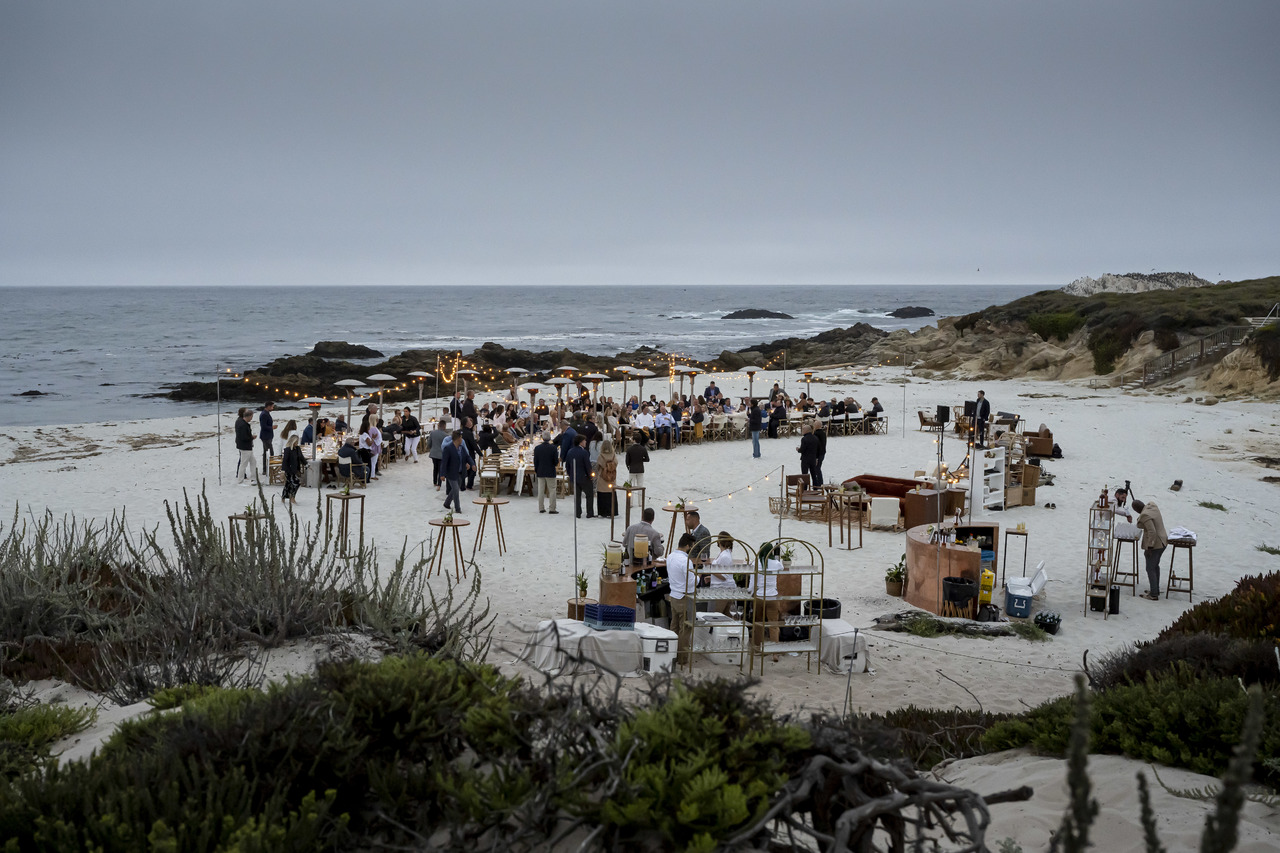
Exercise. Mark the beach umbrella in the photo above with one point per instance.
(751, 379)
(640, 377)
(380, 379)
(596, 379)
(421, 375)
(516, 373)
(464, 373)
(350, 386)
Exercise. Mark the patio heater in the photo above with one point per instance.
(751, 380)
(350, 386)
(421, 376)
(380, 379)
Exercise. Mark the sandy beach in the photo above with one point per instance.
(1107, 436)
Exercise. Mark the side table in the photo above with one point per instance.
(484, 504)
(344, 518)
(673, 509)
(437, 561)
(1176, 582)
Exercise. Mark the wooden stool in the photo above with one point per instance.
(1176, 582)
(484, 504)
(1120, 574)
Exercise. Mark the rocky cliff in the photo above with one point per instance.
(1134, 282)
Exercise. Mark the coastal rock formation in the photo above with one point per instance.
(1134, 282)
(756, 314)
(31, 393)
(909, 312)
(834, 346)
(342, 349)
(1240, 374)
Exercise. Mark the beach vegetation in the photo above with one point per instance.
(1269, 549)
(1211, 505)
(27, 731)
(1252, 661)
(1250, 611)
(1266, 343)
(1029, 631)
(1059, 325)
(127, 614)
(1115, 320)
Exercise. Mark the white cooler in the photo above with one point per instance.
(718, 632)
(659, 647)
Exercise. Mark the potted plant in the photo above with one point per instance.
(788, 554)
(895, 576)
(578, 606)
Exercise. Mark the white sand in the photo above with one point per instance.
(1106, 435)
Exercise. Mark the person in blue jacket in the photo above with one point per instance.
(578, 466)
(451, 468)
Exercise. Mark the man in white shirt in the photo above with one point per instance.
(665, 425)
(682, 578)
(644, 423)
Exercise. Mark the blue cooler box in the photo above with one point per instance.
(1017, 604)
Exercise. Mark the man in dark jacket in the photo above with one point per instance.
(809, 457)
(755, 423)
(544, 469)
(451, 469)
(578, 467)
(411, 430)
(244, 443)
(349, 458)
(267, 433)
(637, 455)
(568, 437)
(820, 433)
(981, 414)
(468, 409)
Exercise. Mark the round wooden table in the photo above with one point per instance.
(437, 561)
(685, 510)
(484, 504)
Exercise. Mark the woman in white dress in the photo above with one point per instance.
(723, 581)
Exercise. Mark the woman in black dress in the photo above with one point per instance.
(291, 463)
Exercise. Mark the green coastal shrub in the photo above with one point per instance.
(27, 733)
(1058, 325)
(1205, 655)
(1250, 611)
(1266, 343)
(1178, 719)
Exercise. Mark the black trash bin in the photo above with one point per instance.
(957, 590)
(1115, 600)
(828, 608)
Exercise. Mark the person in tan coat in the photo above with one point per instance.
(1154, 540)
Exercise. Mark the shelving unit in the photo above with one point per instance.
(717, 595)
(1097, 576)
(993, 477)
(808, 569)
(1015, 449)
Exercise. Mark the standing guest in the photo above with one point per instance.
(775, 393)
(292, 463)
(436, 441)
(643, 527)
(723, 581)
(777, 414)
(755, 422)
(455, 407)
(820, 433)
(451, 470)
(267, 434)
(769, 592)
(544, 469)
(366, 446)
(808, 451)
(244, 443)
(607, 480)
(469, 438)
(981, 414)
(701, 535)
(682, 579)
(412, 431)
(469, 464)
(1154, 540)
(288, 430)
(1124, 527)
(375, 444)
(637, 455)
(578, 466)
(568, 438)
(469, 408)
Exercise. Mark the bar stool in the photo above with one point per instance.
(1181, 583)
(1120, 574)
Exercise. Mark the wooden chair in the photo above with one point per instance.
(275, 474)
(812, 504)
(928, 422)
(797, 484)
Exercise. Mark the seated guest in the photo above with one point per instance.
(644, 423)
(664, 424)
(340, 425)
(644, 527)
(876, 408)
(349, 461)
(777, 415)
(309, 432)
(325, 428)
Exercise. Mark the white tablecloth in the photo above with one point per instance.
(566, 646)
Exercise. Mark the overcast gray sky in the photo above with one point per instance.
(602, 142)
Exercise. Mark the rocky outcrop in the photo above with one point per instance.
(342, 349)
(31, 393)
(1134, 282)
(1239, 374)
(835, 346)
(756, 314)
(910, 312)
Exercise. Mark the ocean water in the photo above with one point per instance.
(98, 353)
